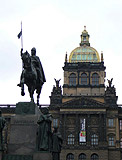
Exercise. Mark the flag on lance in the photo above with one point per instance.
(20, 34)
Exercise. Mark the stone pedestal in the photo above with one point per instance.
(42, 156)
(26, 108)
(23, 129)
(1, 155)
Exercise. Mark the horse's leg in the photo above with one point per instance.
(38, 94)
(22, 90)
(32, 89)
(31, 93)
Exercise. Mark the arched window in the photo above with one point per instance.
(72, 79)
(94, 140)
(83, 79)
(70, 156)
(95, 79)
(82, 156)
(94, 157)
(71, 139)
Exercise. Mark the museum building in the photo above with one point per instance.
(84, 109)
(86, 112)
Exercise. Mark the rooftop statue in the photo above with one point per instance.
(57, 88)
(57, 82)
(110, 82)
(32, 74)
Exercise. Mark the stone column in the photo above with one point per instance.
(89, 78)
(100, 128)
(104, 127)
(117, 132)
(77, 130)
(64, 130)
(88, 129)
(78, 77)
(61, 124)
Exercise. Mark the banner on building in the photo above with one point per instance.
(82, 134)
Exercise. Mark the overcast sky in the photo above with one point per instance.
(54, 28)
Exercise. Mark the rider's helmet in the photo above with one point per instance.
(33, 51)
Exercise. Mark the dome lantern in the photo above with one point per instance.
(85, 38)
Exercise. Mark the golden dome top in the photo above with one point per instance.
(84, 53)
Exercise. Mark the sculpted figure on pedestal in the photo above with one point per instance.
(32, 74)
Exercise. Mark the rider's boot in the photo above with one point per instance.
(20, 85)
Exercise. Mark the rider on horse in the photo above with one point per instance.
(38, 66)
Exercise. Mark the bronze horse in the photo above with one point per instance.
(30, 77)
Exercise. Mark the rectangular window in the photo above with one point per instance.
(110, 122)
(94, 139)
(120, 124)
(73, 57)
(89, 57)
(55, 122)
(79, 57)
(71, 139)
(94, 57)
(111, 141)
(121, 143)
(84, 38)
(84, 57)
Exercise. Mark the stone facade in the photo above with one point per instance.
(86, 99)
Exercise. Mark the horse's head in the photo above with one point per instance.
(26, 59)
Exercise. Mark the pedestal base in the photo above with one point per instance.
(42, 156)
(26, 108)
(23, 129)
(1, 155)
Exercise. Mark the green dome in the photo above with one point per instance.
(84, 54)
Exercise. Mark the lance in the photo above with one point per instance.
(21, 36)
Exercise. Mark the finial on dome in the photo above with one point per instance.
(85, 28)
(66, 57)
(102, 56)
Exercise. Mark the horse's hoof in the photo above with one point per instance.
(32, 100)
(22, 93)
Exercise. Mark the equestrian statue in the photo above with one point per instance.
(32, 74)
